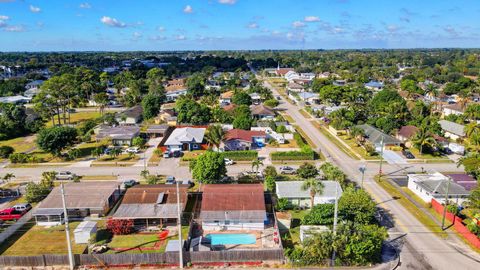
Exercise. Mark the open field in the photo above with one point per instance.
(21, 144)
(77, 117)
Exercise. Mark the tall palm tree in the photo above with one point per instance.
(422, 138)
(472, 131)
(214, 135)
(256, 163)
(314, 186)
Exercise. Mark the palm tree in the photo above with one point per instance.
(256, 163)
(314, 186)
(422, 138)
(472, 131)
(214, 135)
(7, 177)
(358, 134)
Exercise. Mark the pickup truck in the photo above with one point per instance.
(11, 214)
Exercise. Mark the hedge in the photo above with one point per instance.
(293, 155)
(248, 155)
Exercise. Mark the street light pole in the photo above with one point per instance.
(67, 229)
(362, 169)
(446, 203)
(381, 158)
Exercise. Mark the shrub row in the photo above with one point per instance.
(293, 155)
(299, 139)
(248, 155)
(24, 158)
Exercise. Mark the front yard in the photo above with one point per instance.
(78, 117)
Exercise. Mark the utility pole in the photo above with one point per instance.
(446, 203)
(381, 158)
(67, 229)
(144, 161)
(362, 169)
(179, 225)
(335, 218)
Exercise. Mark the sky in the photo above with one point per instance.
(133, 25)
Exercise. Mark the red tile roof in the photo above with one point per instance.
(243, 135)
(283, 71)
(232, 197)
(230, 107)
(408, 131)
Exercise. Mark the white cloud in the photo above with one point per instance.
(392, 28)
(35, 9)
(85, 5)
(227, 2)
(161, 29)
(188, 9)
(180, 37)
(252, 25)
(112, 22)
(157, 38)
(311, 19)
(298, 24)
(136, 36)
(14, 28)
(4, 18)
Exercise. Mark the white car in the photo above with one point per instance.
(65, 175)
(134, 150)
(229, 161)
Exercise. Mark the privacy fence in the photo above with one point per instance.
(167, 258)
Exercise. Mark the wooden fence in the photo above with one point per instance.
(169, 258)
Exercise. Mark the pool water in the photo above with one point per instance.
(231, 238)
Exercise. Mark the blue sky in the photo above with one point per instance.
(50, 25)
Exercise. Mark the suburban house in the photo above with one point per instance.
(230, 107)
(155, 131)
(406, 133)
(435, 186)
(295, 87)
(452, 130)
(30, 93)
(239, 139)
(292, 190)
(175, 88)
(282, 71)
(233, 207)
(34, 84)
(376, 137)
(309, 97)
(262, 112)
(256, 98)
(339, 82)
(82, 199)
(130, 116)
(304, 78)
(187, 138)
(120, 135)
(455, 109)
(374, 85)
(152, 205)
(15, 99)
(226, 98)
(464, 180)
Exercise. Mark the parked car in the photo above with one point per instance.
(177, 154)
(229, 161)
(134, 150)
(252, 173)
(65, 175)
(11, 214)
(287, 170)
(129, 183)
(167, 154)
(22, 207)
(170, 179)
(408, 154)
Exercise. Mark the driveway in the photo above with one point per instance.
(145, 156)
(393, 158)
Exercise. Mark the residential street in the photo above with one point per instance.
(422, 249)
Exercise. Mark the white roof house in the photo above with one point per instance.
(434, 186)
(307, 231)
(189, 136)
(292, 190)
(452, 129)
(15, 99)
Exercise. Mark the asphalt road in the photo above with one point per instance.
(420, 248)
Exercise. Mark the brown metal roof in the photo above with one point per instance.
(231, 197)
(243, 135)
(148, 194)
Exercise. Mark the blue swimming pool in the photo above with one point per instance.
(231, 238)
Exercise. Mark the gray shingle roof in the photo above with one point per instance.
(375, 136)
(184, 135)
(452, 127)
(293, 189)
(437, 184)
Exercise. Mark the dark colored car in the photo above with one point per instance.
(408, 154)
(177, 154)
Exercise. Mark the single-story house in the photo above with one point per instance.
(164, 115)
(239, 139)
(34, 84)
(120, 135)
(172, 92)
(455, 109)
(15, 99)
(262, 112)
(256, 98)
(226, 98)
(434, 186)
(30, 93)
(375, 136)
(310, 97)
(292, 190)
(82, 199)
(374, 85)
(157, 130)
(152, 205)
(339, 82)
(233, 207)
(452, 130)
(295, 87)
(406, 133)
(130, 116)
(464, 180)
(187, 138)
(283, 71)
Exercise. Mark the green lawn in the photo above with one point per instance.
(417, 155)
(40, 240)
(122, 157)
(336, 142)
(77, 117)
(133, 240)
(305, 113)
(21, 144)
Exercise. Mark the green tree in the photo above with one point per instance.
(196, 85)
(307, 170)
(282, 204)
(7, 177)
(331, 172)
(256, 163)
(154, 80)
(214, 135)
(357, 206)
(270, 171)
(424, 139)
(314, 187)
(6, 151)
(242, 98)
(151, 104)
(101, 99)
(269, 183)
(53, 140)
(139, 142)
(321, 214)
(209, 168)
(35, 192)
(243, 121)
(115, 152)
